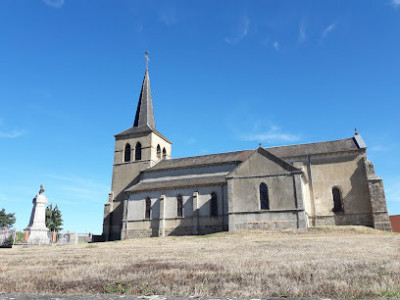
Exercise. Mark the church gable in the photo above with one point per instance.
(262, 162)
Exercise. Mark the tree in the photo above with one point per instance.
(53, 218)
(6, 220)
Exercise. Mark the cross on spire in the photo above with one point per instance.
(146, 54)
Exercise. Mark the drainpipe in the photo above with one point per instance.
(312, 190)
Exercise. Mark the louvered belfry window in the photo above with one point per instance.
(127, 153)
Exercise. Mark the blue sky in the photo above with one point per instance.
(225, 75)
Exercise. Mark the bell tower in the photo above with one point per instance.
(137, 148)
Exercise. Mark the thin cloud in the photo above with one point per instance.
(80, 188)
(168, 17)
(191, 141)
(302, 33)
(78, 181)
(54, 3)
(330, 28)
(276, 45)
(395, 3)
(139, 28)
(242, 32)
(379, 148)
(392, 187)
(12, 134)
(272, 135)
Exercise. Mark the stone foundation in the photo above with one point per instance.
(345, 219)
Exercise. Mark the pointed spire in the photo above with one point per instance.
(144, 112)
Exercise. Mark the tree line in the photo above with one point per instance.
(54, 219)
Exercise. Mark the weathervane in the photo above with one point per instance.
(146, 54)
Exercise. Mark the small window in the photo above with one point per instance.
(264, 198)
(214, 205)
(164, 153)
(138, 151)
(179, 206)
(127, 153)
(148, 208)
(158, 151)
(337, 200)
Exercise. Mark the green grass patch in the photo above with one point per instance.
(390, 294)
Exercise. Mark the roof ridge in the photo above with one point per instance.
(308, 143)
(211, 154)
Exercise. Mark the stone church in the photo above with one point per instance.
(287, 187)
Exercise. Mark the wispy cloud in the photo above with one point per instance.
(272, 134)
(378, 148)
(392, 189)
(395, 3)
(302, 33)
(168, 16)
(191, 141)
(139, 28)
(54, 3)
(242, 32)
(268, 43)
(12, 134)
(80, 188)
(329, 29)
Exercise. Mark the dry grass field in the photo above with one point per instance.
(346, 262)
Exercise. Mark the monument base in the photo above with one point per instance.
(38, 236)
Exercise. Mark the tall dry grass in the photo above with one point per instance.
(342, 263)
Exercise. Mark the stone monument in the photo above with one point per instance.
(38, 233)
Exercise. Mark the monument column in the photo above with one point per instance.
(37, 230)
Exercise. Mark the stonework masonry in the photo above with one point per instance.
(287, 187)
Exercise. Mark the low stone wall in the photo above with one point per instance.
(345, 219)
(264, 220)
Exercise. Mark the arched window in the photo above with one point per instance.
(148, 208)
(158, 151)
(164, 153)
(214, 205)
(179, 206)
(264, 198)
(127, 153)
(138, 151)
(337, 200)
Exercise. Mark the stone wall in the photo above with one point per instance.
(264, 220)
(196, 217)
(380, 215)
(346, 171)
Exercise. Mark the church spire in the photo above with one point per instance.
(144, 112)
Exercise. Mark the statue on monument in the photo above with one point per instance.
(41, 191)
(37, 231)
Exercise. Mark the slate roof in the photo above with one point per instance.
(348, 144)
(314, 148)
(144, 112)
(144, 118)
(196, 181)
(210, 159)
(140, 130)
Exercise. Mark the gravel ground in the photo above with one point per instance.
(104, 297)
